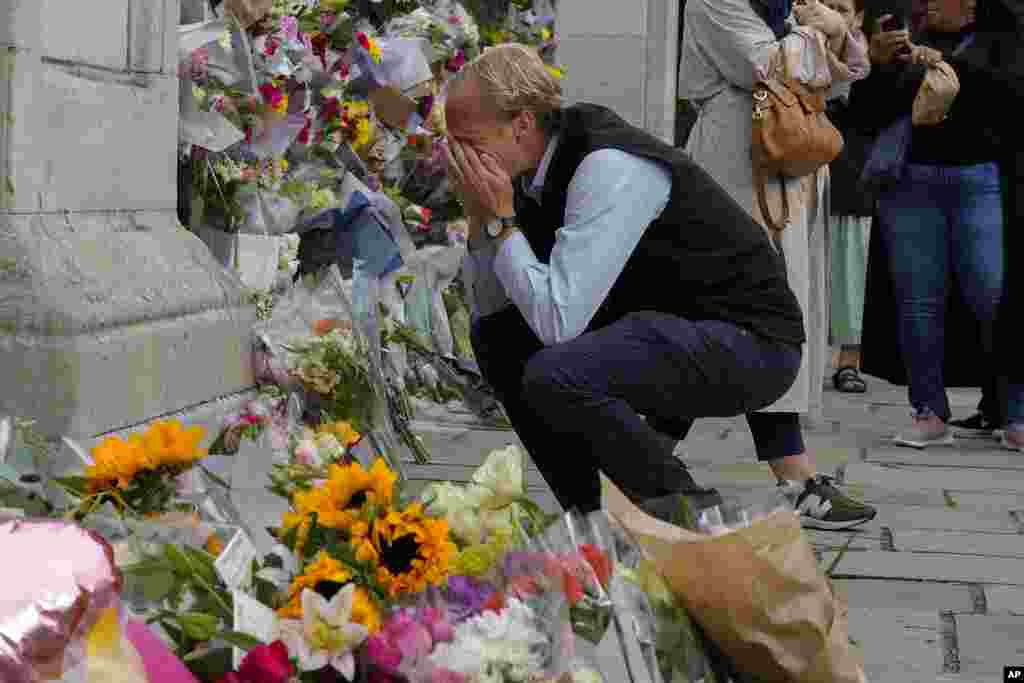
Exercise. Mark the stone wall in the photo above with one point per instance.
(623, 56)
(110, 313)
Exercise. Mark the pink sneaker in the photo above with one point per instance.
(1013, 438)
(928, 430)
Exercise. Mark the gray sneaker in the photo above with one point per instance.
(926, 431)
(823, 506)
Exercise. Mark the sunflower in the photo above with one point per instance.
(323, 570)
(326, 576)
(341, 501)
(166, 444)
(411, 551)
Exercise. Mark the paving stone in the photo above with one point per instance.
(460, 473)
(973, 456)
(909, 595)
(928, 567)
(830, 540)
(877, 495)
(958, 543)
(905, 478)
(987, 643)
(897, 644)
(1004, 599)
(1000, 502)
(938, 519)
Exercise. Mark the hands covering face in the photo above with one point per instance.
(483, 185)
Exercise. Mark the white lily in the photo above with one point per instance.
(326, 634)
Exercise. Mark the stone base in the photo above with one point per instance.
(109, 319)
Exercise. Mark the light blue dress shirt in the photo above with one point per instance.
(612, 199)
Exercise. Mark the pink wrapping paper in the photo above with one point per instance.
(161, 664)
(57, 580)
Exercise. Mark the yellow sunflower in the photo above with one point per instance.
(323, 569)
(411, 550)
(116, 461)
(340, 501)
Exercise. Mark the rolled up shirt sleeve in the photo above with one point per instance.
(612, 199)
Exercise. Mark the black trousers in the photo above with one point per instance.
(577, 406)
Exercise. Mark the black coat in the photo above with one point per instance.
(998, 57)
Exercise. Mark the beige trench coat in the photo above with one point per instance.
(726, 47)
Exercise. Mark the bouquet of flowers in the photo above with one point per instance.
(139, 475)
(470, 632)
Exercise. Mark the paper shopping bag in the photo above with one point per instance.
(756, 591)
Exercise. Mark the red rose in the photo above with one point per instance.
(264, 664)
(598, 561)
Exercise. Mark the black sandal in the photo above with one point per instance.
(848, 381)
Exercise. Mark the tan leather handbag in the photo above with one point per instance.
(792, 137)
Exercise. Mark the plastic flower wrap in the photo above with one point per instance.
(137, 475)
(494, 501)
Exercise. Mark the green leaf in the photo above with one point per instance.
(153, 580)
(177, 559)
(198, 626)
(77, 485)
(240, 640)
(201, 563)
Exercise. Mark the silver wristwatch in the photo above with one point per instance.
(495, 228)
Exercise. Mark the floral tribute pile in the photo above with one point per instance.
(323, 117)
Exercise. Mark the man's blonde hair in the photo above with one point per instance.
(513, 78)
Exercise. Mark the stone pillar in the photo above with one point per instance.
(111, 314)
(623, 56)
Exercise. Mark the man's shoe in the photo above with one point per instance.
(823, 506)
(977, 426)
(928, 430)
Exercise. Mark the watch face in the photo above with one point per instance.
(494, 228)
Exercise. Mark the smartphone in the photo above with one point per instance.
(899, 11)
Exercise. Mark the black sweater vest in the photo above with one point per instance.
(703, 258)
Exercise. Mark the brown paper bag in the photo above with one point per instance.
(248, 12)
(391, 106)
(936, 95)
(757, 592)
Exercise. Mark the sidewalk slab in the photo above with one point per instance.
(1004, 599)
(958, 543)
(907, 478)
(928, 567)
(904, 595)
(897, 644)
(987, 643)
(898, 517)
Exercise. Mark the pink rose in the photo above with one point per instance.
(290, 27)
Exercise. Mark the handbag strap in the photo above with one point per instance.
(760, 183)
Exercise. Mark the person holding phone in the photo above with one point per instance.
(941, 227)
(727, 47)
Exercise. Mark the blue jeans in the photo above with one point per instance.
(942, 220)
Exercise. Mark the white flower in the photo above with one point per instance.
(326, 634)
(502, 475)
(501, 647)
(329, 447)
